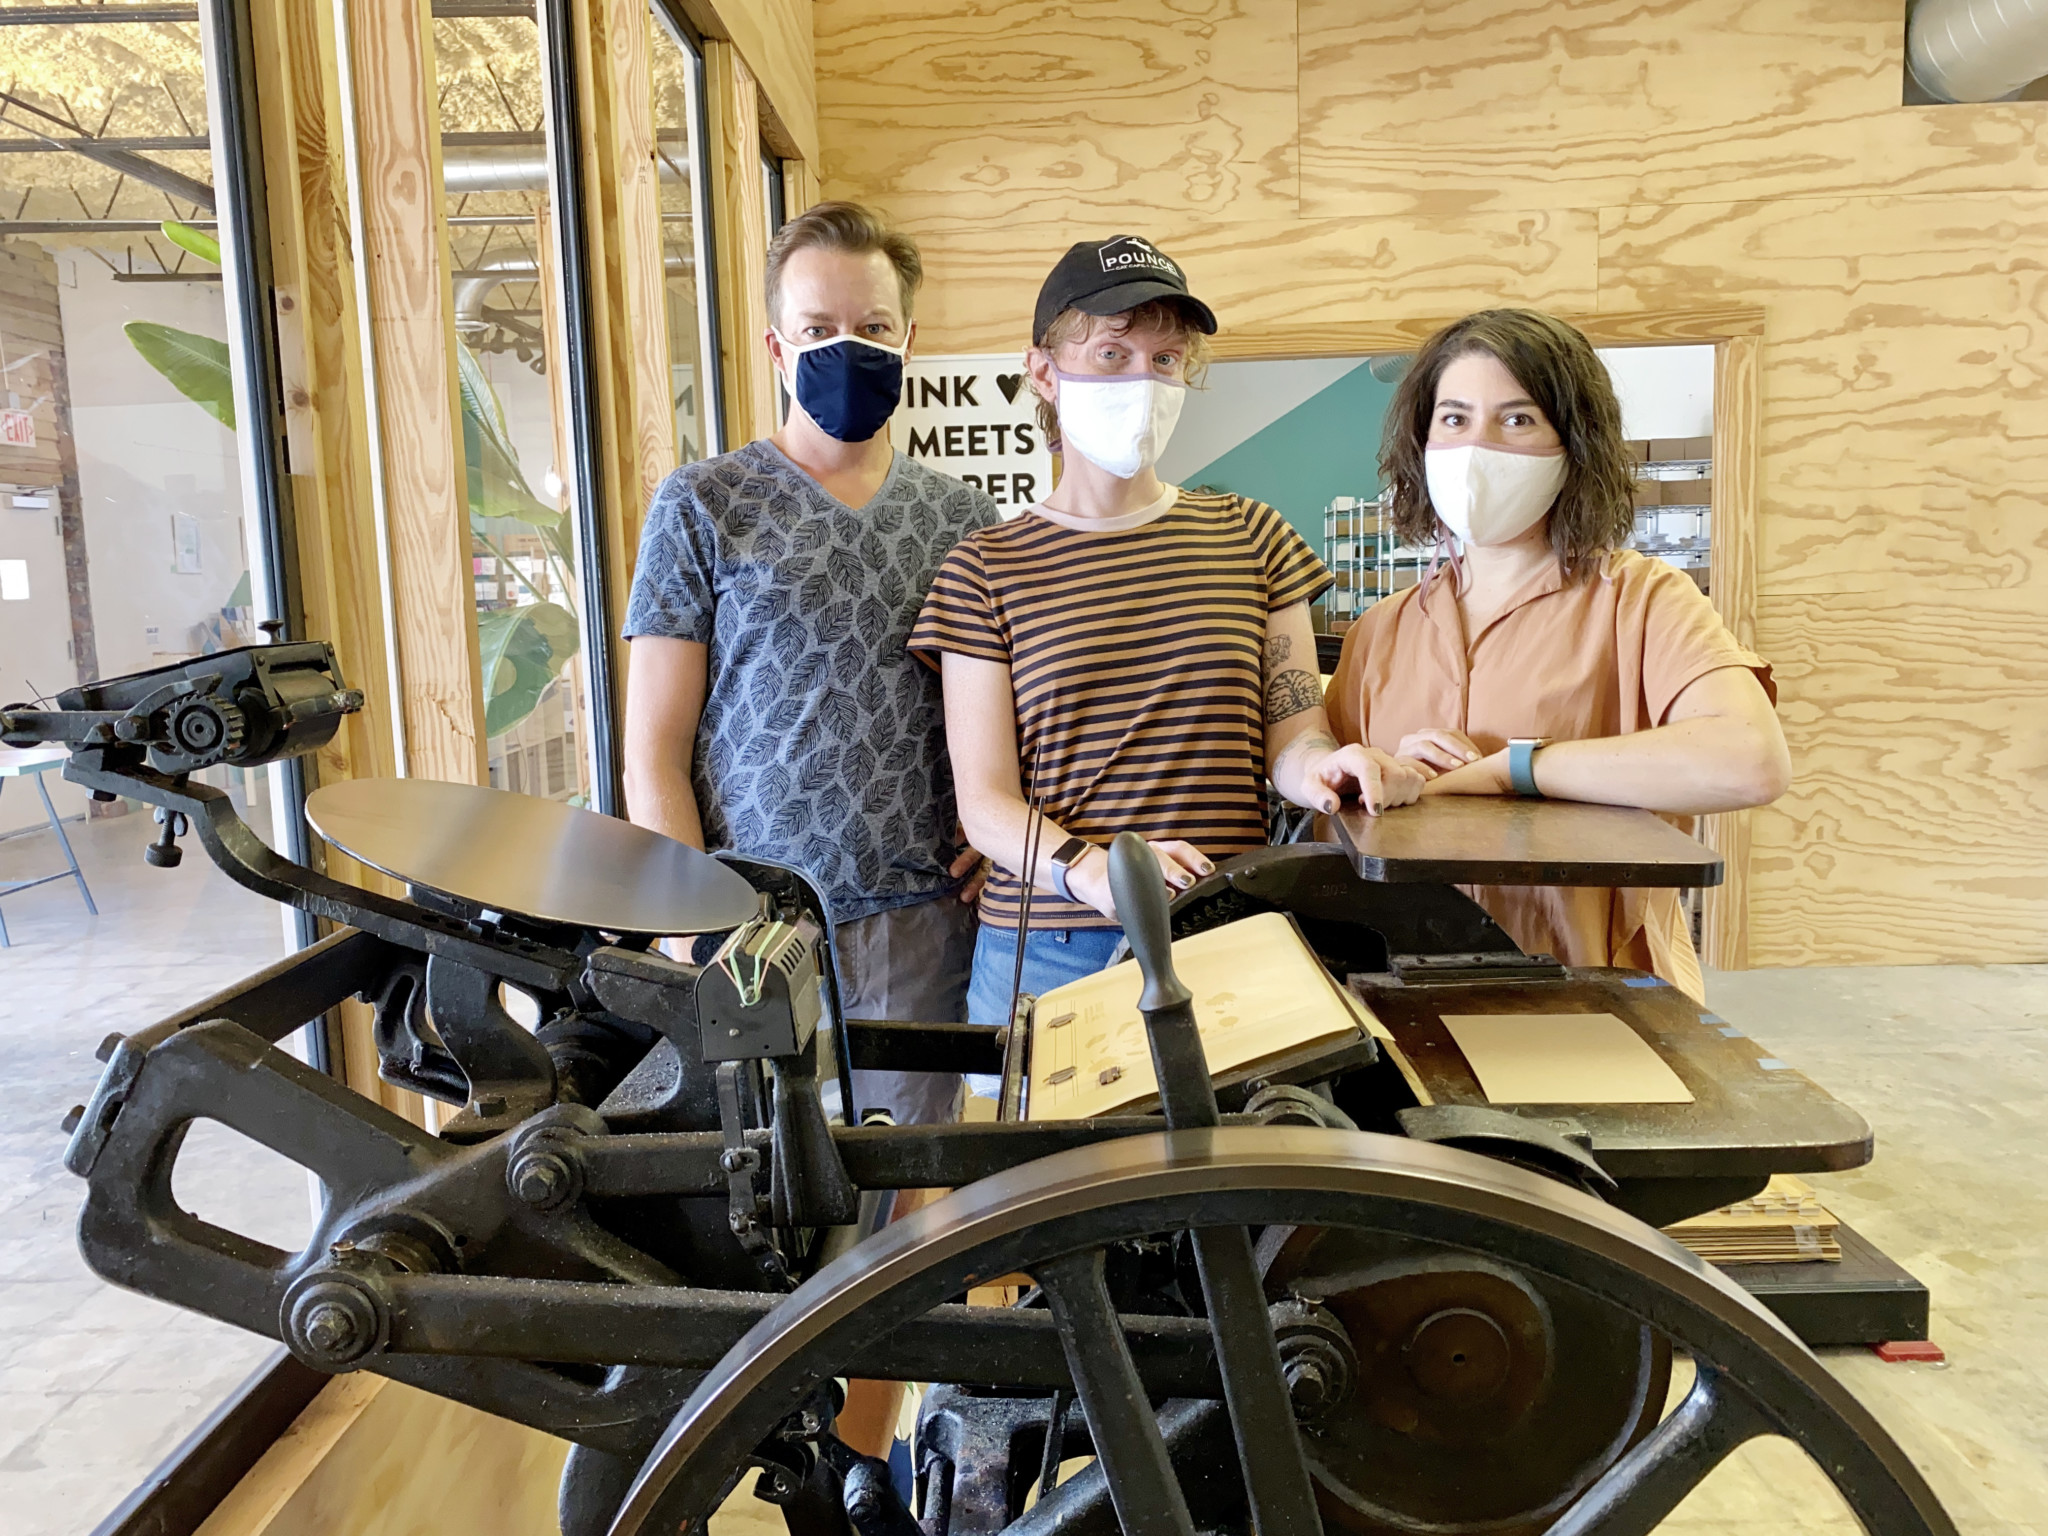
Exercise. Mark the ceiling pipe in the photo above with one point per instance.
(1977, 50)
(513, 168)
(475, 284)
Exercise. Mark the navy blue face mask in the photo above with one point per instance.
(849, 385)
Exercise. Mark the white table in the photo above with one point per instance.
(33, 763)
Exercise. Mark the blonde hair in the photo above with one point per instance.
(1154, 314)
(849, 227)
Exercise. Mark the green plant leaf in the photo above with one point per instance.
(197, 366)
(496, 486)
(557, 626)
(521, 650)
(197, 241)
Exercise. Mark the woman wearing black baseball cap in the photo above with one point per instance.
(1128, 654)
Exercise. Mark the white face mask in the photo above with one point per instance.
(1119, 424)
(1487, 495)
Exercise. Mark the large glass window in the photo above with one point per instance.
(127, 540)
(678, 83)
(515, 430)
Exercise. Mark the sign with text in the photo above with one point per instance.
(17, 429)
(975, 418)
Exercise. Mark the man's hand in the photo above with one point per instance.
(1380, 780)
(1438, 749)
(970, 866)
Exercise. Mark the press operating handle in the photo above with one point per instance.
(1140, 893)
(1186, 1095)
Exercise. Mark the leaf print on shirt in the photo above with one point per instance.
(872, 616)
(846, 569)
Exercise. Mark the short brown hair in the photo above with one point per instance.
(1162, 314)
(1553, 361)
(849, 227)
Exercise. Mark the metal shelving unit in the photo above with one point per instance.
(1366, 557)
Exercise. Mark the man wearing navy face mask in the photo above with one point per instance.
(772, 706)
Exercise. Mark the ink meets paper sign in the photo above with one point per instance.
(975, 418)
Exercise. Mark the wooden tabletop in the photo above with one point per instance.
(1752, 1113)
(1501, 840)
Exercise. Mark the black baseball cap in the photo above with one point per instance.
(1108, 277)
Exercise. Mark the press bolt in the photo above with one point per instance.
(540, 1179)
(736, 1161)
(330, 1329)
(72, 1118)
(1307, 1386)
(110, 1045)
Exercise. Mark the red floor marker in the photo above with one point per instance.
(1910, 1351)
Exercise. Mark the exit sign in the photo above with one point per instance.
(17, 429)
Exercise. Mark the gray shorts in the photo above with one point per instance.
(910, 964)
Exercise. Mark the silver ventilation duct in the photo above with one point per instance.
(478, 283)
(1977, 50)
(515, 168)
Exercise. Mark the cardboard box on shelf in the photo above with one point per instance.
(1689, 492)
(1649, 493)
(1638, 449)
(1699, 447)
(1664, 449)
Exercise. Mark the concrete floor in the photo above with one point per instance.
(97, 1384)
(1950, 1065)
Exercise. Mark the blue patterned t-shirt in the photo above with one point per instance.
(823, 739)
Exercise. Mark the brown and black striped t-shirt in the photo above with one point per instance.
(1135, 654)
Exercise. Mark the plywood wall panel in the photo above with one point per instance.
(963, 112)
(1612, 157)
(1419, 106)
(981, 287)
(1905, 428)
(1912, 832)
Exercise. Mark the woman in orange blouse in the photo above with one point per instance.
(1539, 626)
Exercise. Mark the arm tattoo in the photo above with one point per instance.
(1278, 649)
(1289, 693)
(1307, 741)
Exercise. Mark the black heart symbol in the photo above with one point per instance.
(1009, 384)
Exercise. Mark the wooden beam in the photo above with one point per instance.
(740, 214)
(629, 298)
(319, 345)
(1636, 329)
(799, 187)
(407, 342)
(319, 334)
(1738, 425)
(775, 39)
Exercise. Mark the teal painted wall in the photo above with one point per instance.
(1327, 446)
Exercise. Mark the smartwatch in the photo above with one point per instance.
(1522, 764)
(1064, 858)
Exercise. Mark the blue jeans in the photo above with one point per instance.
(1052, 958)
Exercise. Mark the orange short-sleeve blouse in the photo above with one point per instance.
(1601, 656)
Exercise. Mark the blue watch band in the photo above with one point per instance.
(1522, 765)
